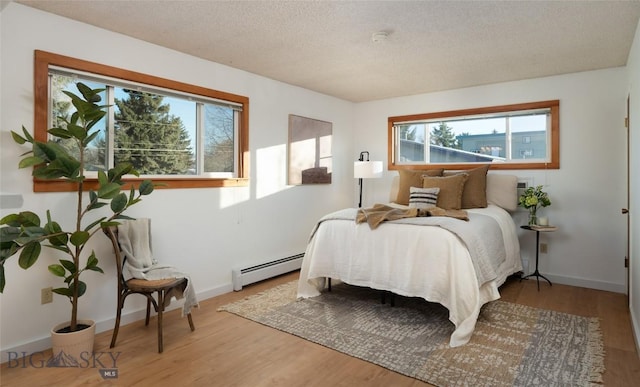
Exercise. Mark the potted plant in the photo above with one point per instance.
(25, 234)
(531, 199)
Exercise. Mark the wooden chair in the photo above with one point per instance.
(141, 286)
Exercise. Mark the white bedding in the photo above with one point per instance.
(416, 261)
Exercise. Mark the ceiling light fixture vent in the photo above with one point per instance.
(379, 36)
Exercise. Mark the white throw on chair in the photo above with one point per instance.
(132, 245)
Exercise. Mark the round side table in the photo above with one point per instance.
(538, 230)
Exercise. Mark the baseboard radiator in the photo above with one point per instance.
(249, 275)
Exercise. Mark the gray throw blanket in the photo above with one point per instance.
(134, 237)
(481, 234)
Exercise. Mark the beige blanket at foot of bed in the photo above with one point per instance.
(381, 212)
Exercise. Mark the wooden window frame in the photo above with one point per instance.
(43, 60)
(553, 163)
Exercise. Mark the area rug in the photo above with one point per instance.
(512, 345)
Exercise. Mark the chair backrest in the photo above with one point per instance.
(112, 234)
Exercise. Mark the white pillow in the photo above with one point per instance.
(502, 191)
(423, 198)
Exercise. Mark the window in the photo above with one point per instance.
(180, 135)
(522, 136)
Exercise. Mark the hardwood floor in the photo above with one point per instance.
(226, 350)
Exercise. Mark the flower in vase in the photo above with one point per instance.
(531, 199)
(534, 197)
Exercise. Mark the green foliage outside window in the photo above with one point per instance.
(151, 138)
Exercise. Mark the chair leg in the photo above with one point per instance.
(193, 328)
(114, 336)
(160, 311)
(146, 321)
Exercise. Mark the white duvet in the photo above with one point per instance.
(416, 261)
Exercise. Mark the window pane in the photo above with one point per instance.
(61, 110)
(476, 140)
(529, 137)
(411, 143)
(219, 133)
(155, 133)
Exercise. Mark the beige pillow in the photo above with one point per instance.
(474, 194)
(451, 187)
(412, 178)
(502, 190)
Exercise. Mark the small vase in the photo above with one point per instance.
(533, 219)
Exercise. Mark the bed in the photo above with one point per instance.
(422, 257)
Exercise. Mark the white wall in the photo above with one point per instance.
(588, 190)
(633, 66)
(205, 232)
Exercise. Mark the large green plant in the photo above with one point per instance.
(25, 233)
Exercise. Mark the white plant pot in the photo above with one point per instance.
(71, 349)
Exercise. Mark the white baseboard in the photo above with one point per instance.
(585, 283)
(129, 317)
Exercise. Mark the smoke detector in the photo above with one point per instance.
(379, 36)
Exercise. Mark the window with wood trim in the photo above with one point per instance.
(180, 135)
(519, 136)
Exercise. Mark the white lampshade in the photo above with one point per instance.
(367, 169)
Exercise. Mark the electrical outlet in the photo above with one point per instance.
(543, 248)
(46, 296)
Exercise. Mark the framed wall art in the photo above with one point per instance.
(309, 151)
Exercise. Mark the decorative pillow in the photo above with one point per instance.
(412, 178)
(423, 198)
(451, 187)
(474, 194)
(502, 190)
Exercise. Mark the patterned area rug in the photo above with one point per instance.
(512, 345)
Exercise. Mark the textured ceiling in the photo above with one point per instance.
(326, 46)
